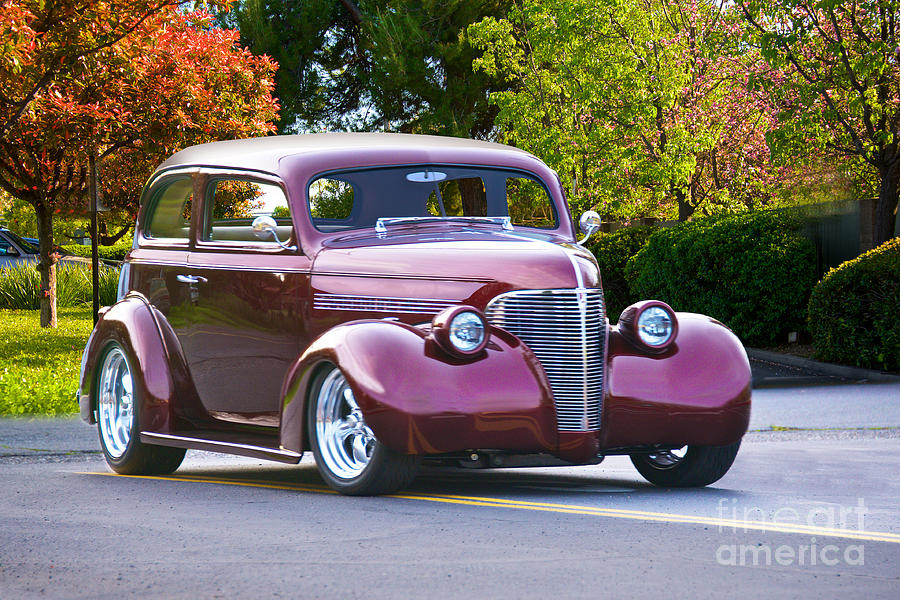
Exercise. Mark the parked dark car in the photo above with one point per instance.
(16, 250)
(381, 300)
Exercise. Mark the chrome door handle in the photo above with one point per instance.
(191, 279)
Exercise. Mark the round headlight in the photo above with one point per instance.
(654, 326)
(462, 331)
(466, 331)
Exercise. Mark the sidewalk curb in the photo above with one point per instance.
(834, 370)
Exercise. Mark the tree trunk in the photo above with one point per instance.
(887, 203)
(474, 199)
(685, 210)
(47, 265)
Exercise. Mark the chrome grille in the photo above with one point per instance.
(564, 328)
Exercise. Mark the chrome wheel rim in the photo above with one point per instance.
(345, 441)
(666, 459)
(115, 405)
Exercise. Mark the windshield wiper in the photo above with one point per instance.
(382, 223)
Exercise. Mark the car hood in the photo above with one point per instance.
(464, 266)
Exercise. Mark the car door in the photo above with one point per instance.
(246, 299)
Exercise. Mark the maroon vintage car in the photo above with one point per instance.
(386, 299)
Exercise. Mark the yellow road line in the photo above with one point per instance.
(723, 524)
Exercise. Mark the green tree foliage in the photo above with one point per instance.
(394, 65)
(853, 310)
(754, 272)
(840, 88)
(330, 199)
(643, 105)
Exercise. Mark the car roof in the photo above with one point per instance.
(265, 153)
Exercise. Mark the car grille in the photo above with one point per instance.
(565, 330)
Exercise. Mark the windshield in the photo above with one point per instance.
(26, 247)
(358, 199)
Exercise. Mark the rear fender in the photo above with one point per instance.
(157, 365)
(419, 400)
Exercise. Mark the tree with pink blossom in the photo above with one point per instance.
(841, 90)
(646, 107)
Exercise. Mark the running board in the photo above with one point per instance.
(224, 446)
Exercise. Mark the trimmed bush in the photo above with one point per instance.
(613, 251)
(116, 252)
(754, 272)
(854, 312)
(20, 286)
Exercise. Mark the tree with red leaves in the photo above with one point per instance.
(174, 80)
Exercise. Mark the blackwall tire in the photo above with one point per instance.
(349, 457)
(695, 466)
(118, 414)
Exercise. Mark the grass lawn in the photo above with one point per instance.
(39, 367)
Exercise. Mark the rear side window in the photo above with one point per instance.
(170, 216)
(233, 205)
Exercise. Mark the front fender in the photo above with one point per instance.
(419, 400)
(696, 392)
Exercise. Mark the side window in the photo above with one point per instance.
(528, 203)
(234, 203)
(6, 249)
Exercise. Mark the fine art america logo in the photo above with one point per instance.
(808, 552)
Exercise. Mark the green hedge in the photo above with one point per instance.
(20, 286)
(754, 272)
(116, 252)
(854, 312)
(613, 251)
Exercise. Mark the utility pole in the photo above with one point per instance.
(95, 258)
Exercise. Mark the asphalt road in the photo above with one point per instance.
(805, 511)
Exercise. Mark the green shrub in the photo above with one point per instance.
(613, 251)
(754, 272)
(20, 286)
(854, 310)
(116, 252)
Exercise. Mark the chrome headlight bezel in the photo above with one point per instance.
(655, 326)
(461, 331)
(651, 325)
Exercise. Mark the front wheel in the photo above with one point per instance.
(117, 422)
(689, 466)
(348, 456)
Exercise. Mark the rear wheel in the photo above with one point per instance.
(349, 457)
(689, 466)
(118, 417)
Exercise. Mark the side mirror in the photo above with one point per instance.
(265, 228)
(589, 224)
